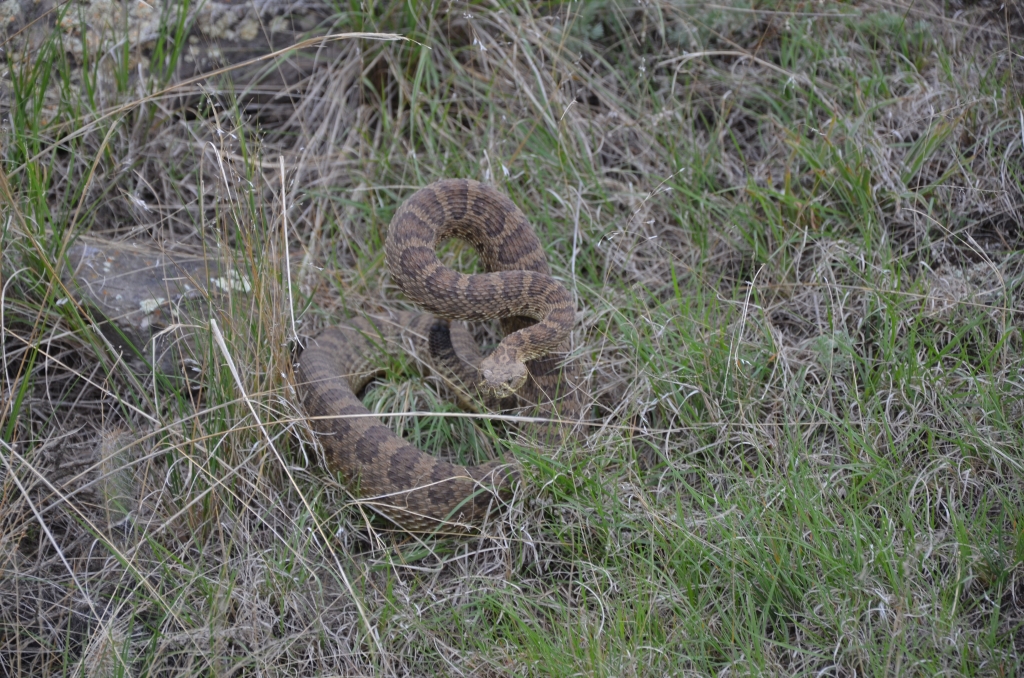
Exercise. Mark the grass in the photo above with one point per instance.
(794, 235)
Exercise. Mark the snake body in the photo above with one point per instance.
(527, 368)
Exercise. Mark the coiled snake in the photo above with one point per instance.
(412, 488)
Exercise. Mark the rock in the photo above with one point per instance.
(152, 300)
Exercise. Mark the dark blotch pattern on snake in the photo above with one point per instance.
(526, 370)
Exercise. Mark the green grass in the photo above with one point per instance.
(794, 235)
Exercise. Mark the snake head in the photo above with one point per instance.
(502, 374)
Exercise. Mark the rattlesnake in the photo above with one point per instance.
(413, 489)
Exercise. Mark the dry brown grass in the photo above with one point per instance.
(794, 233)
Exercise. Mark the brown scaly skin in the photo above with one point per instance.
(413, 489)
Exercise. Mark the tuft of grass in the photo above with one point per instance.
(794, 236)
